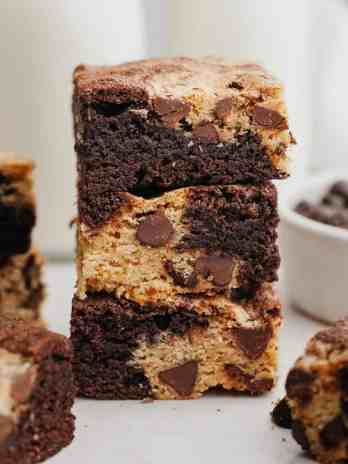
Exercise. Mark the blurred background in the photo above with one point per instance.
(303, 41)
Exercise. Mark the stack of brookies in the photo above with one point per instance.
(177, 227)
(21, 289)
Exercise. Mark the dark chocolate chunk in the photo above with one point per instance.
(170, 111)
(299, 385)
(182, 378)
(260, 386)
(219, 267)
(180, 278)
(206, 131)
(344, 407)
(268, 118)
(299, 434)
(155, 231)
(6, 428)
(334, 200)
(281, 414)
(224, 108)
(333, 433)
(340, 188)
(22, 387)
(253, 341)
(255, 387)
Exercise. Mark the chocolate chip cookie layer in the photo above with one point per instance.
(127, 351)
(317, 396)
(199, 240)
(36, 393)
(152, 126)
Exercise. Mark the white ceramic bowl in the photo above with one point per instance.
(314, 255)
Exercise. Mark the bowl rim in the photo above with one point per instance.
(297, 192)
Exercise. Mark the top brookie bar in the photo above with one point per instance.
(153, 126)
(17, 205)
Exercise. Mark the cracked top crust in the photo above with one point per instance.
(214, 98)
(177, 77)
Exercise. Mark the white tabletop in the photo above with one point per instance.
(216, 428)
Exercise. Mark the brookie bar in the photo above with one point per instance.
(126, 351)
(195, 240)
(152, 126)
(36, 393)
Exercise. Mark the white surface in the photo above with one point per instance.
(315, 255)
(40, 44)
(216, 428)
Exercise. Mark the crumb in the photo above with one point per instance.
(148, 400)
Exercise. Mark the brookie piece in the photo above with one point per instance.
(151, 126)
(317, 396)
(196, 240)
(127, 351)
(36, 393)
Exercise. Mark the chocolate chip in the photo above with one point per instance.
(340, 188)
(235, 85)
(268, 118)
(224, 108)
(206, 131)
(171, 111)
(22, 387)
(156, 230)
(253, 341)
(299, 434)
(254, 386)
(334, 200)
(182, 279)
(281, 414)
(182, 378)
(333, 433)
(6, 428)
(219, 267)
(299, 385)
(241, 293)
(260, 386)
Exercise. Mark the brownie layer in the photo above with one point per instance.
(125, 351)
(40, 392)
(153, 126)
(21, 288)
(201, 240)
(317, 396)
(17, 205)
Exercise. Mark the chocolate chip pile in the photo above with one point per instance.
(333, 208)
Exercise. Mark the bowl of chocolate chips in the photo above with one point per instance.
(314, 246)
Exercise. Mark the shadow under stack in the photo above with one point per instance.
(177, 227)
(21, 288)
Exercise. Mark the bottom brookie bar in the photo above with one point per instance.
(21, 288)
(36, 393)
(316, 403)
(124, 351)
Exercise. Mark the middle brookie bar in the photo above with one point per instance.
(192, 241)
(127, 351)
